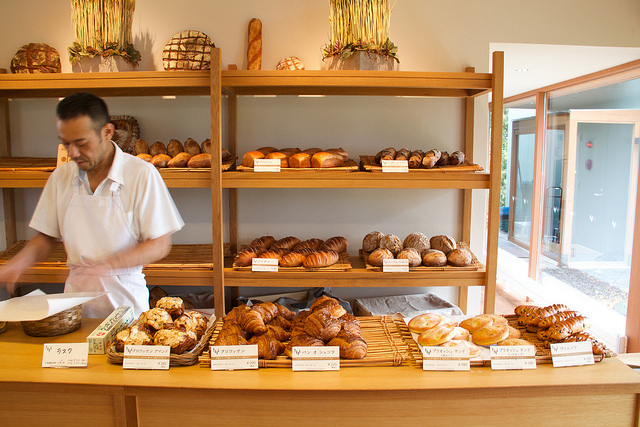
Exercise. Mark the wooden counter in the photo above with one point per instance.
(606, 393)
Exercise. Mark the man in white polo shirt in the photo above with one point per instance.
(111, 210)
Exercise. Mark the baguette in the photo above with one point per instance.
(254, 49)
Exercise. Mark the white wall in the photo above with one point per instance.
(431, 35)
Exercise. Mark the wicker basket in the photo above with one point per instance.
(59, 324)
(3, 327)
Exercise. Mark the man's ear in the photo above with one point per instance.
(107, 131)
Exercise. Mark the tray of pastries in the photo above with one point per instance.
(293, 253)
(419, 161)
(439, 252)
(297, 160)
(363, 341)
(480, 332)
(187, 332)
(178, 155)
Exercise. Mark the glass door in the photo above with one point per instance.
(523, 143)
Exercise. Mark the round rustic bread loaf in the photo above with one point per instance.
(434, 258)
(443, 243)
(290, 63)
(188, 50)
(392, 243)
(371, 241)
(378, 256)
(36, 58)
(460, 257)
(417, 241)
(412, 255)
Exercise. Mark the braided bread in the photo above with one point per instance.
(321, 259)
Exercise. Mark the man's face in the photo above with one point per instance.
(84, 145)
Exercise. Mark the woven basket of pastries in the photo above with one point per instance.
(59, 324)
(127, 132)
(188, 50)
(36, 58)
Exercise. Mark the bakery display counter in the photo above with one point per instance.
(606, 393)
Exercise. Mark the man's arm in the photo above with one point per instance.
(143, 253)
(38, 249)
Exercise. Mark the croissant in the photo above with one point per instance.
(321, 259)
(337, 244)
(282, 322)
(235, 314)
(568, 327)
(268, 347)
(268, 310)
(302, 340)
(284, 311)
(324, 301)
(234, 328)
(264, 241)
(286, 243)
(300, 318)
(350, 323)
(253, 322)
(351, 346)
(228, 337)
(278, 333)
(322, 325)
(292, 259)
(546, 322)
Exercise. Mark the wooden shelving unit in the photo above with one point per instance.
(233, 83)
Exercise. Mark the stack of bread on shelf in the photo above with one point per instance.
(293, 252)
(419, 249)
(556, 323)
(276, 329)
(296, 158)
(418, 159)
(177, 155)
(166, 324)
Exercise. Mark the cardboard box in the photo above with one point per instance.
(101, 338)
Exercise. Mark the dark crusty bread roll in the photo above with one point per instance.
(377, 257)
(417, 241)
(434, 258)
(443, 243)
(324, 159)
(456, 158)
(460, 257)
(371, 241)
(415, 159)
(192, 147)
(157, 148)
(392, 243)
(403, 154)
(160, 160)
(141, 146)
(386, 154)
(249, 158)
(431, 158)
(412, 255)
(200, 161)
(444, 159)
(174, 147)
(226, 154)
(205, 146)
(180, 160)
(300, 160)
(321, 259)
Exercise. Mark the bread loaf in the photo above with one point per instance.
(226, 154)
(192, 147)
(292, 259)
(160, 160)
(157, 148)
(377, 257)
(174, 147)
(290, 63)
(200, 161)
(403, 154)
(434, 258)
(141, 146)
(283, 157)
(386, 154)
(36, 58)
(286, 243)
(431, 158)
(145, 157)
(417, 241)
(392, 243)
(456, 158)
(325, 159)
(443, 243)
(180, 160)
(254, 49)
(300, 160)
(245, 257)
(444, 159)
(415, 159)
(412, 255)
(266, 150)
(336, 244)
(371, 241)
(340, 151)
(312, 150)
(460, 257)
(249, 158)
(263, 241)
(321, 259)
(205, 147)
(312, 243)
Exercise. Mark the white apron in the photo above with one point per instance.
(95, 227)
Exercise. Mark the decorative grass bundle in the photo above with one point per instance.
(103, 27)
(360, 25)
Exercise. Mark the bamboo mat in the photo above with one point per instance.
(343, 264)
(348, 167)
(369, 163)
(181, 256)
(27, 163)
(474, 266)
(386, 347)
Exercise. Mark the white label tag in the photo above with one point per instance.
(315, 358)
(234, 357)
(266, 165)
(506, 357)
(399, 166)
(264, 264)
(572, 354)
(74, 355)
(146, 357)
(395, 266)
(445, 358)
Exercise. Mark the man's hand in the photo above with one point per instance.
(38, 249)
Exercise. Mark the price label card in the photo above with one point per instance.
(234, 357)
(572, 354)
(395, 266)
(516, 357)
(445, 358)
(264, 264)
(266, 165)
(146, 357)
(399, 166)
(65, 355)
(315, 358)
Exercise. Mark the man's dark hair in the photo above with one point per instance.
(84, 104)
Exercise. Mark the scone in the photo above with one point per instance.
(437, 335)
(490, 335)
(422, 322)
